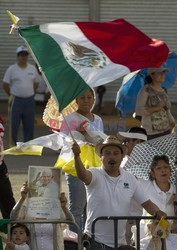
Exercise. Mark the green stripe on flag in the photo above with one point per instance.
(65, 82)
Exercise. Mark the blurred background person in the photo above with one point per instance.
(100, 91)
(20, 83)
(153, 105)
(42, 91)
(43, 233)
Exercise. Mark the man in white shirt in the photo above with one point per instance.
(109, 192)
(20, 82)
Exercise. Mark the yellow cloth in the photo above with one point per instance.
(88, 157)
(13, 18)
(164, 224)
(29, 150)
(161, 229)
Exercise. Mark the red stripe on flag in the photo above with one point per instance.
(124, 44)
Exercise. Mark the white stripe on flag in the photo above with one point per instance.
(94, 72)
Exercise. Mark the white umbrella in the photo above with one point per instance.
(141, 157)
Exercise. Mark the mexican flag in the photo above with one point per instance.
(76, 56)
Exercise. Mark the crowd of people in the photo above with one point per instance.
(108, 190)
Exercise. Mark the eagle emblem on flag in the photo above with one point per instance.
(85, 57)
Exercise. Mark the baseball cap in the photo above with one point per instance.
(21, 49)
(157, 70)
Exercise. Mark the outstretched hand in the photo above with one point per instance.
(24, 190)
(63, 200)
(9, 246)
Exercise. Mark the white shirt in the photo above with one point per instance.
(162, 199)
(43, 239)
(110, 196)
(21, 80)
(23, 246)
(51, 190)
(135, 208)
(74, 121)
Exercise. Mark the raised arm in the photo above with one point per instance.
(15, 213)
(83, 174)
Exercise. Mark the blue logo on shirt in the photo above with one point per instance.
(126, 185)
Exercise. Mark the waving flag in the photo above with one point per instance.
(28, 150)
(76, 56)
(35, 146)
(88, 157)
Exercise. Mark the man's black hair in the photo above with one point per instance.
(137, 130)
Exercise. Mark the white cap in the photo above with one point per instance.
(132, 135)
(157, 70)
(21, 49)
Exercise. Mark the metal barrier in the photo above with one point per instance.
(32, 224)
(116, 219)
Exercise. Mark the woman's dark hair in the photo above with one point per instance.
(92, 91)
(155, 161)
(148, 80)
(17, 225)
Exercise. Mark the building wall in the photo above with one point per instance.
(34, 12)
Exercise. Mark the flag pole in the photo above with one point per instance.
(67, 126)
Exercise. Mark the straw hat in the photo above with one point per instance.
(52, 117)
(110, 141)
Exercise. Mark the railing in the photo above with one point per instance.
(115, 219)
(32, 224)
